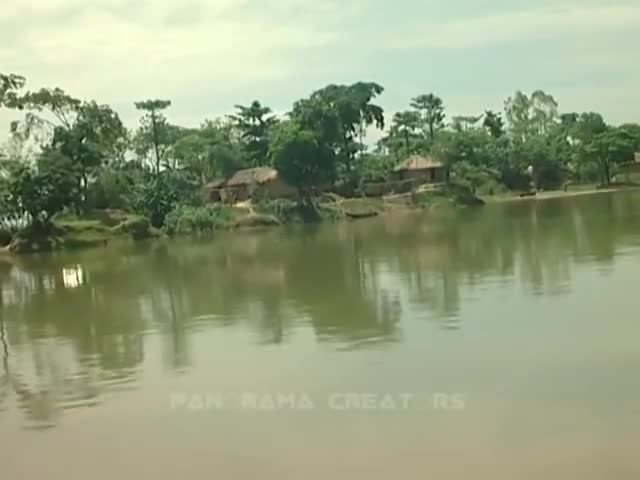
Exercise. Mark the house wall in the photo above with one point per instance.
(239, 193)
(427, 175)
(278, 189)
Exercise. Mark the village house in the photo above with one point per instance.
(422, 169)
(631, 167)
(264, 182)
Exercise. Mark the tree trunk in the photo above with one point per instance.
(406, 141)
(85, 189)
(155, 141)
(605, 171)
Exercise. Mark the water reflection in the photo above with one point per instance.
(74, 327)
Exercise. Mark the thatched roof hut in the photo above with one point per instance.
(252, 176)
(240, 185)
(424, 169)
(418, 162)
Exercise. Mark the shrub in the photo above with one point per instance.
(185, 219)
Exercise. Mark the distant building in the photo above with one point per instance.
(243, 184)
(418, 167)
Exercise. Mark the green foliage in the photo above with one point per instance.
(138, 228)
(431, 111)
(68, 154)
(479, 179)
(160, 194)
(42, 190)
(406, 124)
(609, 148)
(255, 123)
(155, 135)
(531, 115)
(10, 84)
(186, 219)
(338, 116)
(113, 188)
(494, 123)
(301, 159)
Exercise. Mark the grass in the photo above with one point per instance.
(73, 232)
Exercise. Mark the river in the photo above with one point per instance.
(496, 343)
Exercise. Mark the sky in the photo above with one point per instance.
(208, 55)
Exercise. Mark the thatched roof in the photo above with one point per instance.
(249, 176)
(252, 176)
(418, 162)
(217, 183)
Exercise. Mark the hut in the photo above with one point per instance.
(424, 169)
(213, 190)
(632, 166)
(264, 182)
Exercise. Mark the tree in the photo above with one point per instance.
(431, 110)
(255, 123)
(462, 123)
(95, 136)
(614, 145)
(534, 115)
(9, 86)
(46, 110)
(155, 134)
(338, 115)
(405, 124)
(301, 159)
(42, 190)
(494, 123)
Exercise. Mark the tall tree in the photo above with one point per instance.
(494, 123)
(531, 115)
(10, 84)
(154, 134)
(301, 159)
(405, 124)
(42, 190)
(614, 145)
(96, 136)
(255, 123)
(431, 110)
(462, 123)
(337, 114)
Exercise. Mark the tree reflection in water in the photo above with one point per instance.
(75, 329)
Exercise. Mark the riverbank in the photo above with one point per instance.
(67, 232)
(100, 227)
(552, 194)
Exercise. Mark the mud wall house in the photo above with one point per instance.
(264, 182)
(424, 169)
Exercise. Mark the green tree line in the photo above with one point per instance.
(72, 154)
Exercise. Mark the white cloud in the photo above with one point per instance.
(207, 55)
(99, 52)
(559, 22)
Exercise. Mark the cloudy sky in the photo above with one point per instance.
(207, 55)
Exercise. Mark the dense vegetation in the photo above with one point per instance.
(72, 155)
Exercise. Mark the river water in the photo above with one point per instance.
(496, 343)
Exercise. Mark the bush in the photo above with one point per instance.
(158, 197)
(5, 237)
(138, 227)
(185, 219)
(112, 189)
